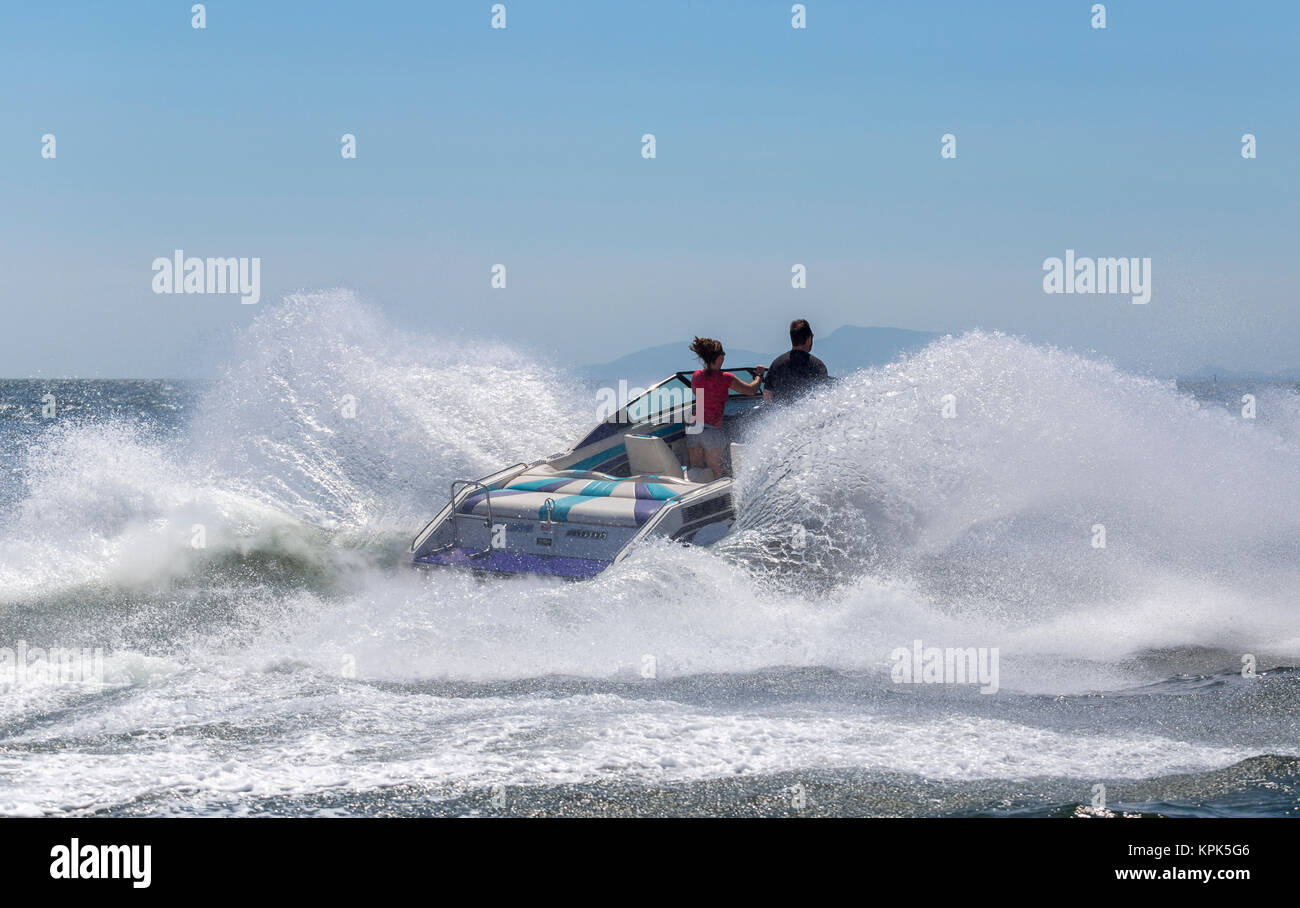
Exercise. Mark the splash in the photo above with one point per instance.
(333, 435)
(330, 431)
(996, 512)
(332, 414)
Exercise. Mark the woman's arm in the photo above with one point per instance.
(748, 387)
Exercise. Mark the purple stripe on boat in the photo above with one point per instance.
(534, 485)
(468, 504)
(506, 562)
(645, 509)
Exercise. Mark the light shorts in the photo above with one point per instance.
(710, 438)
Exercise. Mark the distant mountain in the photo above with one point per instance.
(851, 347)
(645, 367)
(843, 350)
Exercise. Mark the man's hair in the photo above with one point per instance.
(800, 332)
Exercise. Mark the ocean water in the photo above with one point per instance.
(235, 549)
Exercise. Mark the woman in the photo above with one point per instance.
(710, 386)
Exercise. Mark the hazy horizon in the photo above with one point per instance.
(774, 147)
(1285, 375)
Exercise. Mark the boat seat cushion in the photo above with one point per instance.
(521, 504)
(600, 485)
(650, 455)
(579, 496)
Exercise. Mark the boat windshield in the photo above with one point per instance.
(675, 393)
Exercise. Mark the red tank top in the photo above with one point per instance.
(713, 388)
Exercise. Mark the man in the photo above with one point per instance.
(797, 372)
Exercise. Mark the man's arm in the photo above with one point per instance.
(771, 380)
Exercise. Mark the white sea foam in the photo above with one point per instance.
(420, 739)
(973, 531)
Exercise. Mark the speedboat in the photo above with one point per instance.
(574, 514)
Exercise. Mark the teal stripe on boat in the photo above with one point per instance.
(669, 429)
(603, 456)
(562, 507)
(661, 492)
(607, 454)
(615, 451)
(599, 489)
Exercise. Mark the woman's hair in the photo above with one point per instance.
(707, 349)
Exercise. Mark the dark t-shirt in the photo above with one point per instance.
(794, 373)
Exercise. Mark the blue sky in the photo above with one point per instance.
(774, 146)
